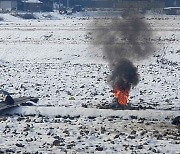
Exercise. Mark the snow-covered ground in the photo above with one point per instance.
(56, 61)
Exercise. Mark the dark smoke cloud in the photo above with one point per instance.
(125, 40)
(124, 75)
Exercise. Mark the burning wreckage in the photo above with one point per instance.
(125, 42)
(124, 76)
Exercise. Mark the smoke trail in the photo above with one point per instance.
(125, 40)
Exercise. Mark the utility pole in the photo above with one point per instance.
(59, 4)
(67, 3)
(175, 3)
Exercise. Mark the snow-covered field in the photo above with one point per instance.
(56, 61)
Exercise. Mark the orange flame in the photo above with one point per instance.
(121, 95)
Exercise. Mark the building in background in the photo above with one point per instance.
(8, 5)
(88, 3)
(114, 3)
(26, 5)
(31, 5)
(47, 5)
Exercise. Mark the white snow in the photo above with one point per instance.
(32, 1)
(54, 59)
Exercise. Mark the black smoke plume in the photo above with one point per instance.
(124, 75)
(125, 40)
